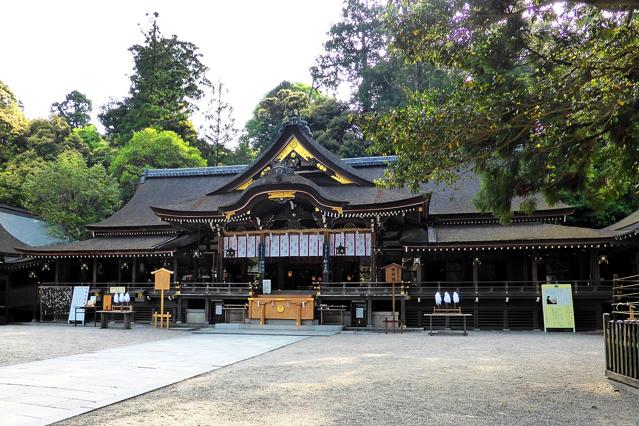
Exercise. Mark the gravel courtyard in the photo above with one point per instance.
(33, 342)
(485, 378)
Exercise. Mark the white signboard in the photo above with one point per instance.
(218, 309)
(266, 286)
(79, 298)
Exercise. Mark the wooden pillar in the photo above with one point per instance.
(418, 275)
(534, 270)
(95, 270)
(119, 271)
(220, 258)
(476, 275)
(178, 298)
(373, 253)
(57, 271)
(369, 312)
(637, 263)
(402, 309)
(134, 267)
(506, 326)
(595, 272)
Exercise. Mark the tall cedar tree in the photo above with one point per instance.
(168, 78)
(75, 108)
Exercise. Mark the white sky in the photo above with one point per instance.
(52, 47)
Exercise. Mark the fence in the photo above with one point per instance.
(621, 332)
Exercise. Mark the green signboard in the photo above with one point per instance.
(558, 308)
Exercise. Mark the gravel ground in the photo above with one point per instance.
(32, 342)
(486, 378)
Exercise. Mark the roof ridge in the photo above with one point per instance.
(370, 161)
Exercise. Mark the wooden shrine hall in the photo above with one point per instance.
(301, 235)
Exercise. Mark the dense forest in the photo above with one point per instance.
(535, 97)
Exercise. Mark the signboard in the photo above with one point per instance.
(118, 289)
(79, 298)
(218, 309)
(325, 266)
(162, 279)
(393, 273)
(266, 286)
(262, 259)
(557, 306)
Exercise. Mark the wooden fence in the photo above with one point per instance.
(621, 332)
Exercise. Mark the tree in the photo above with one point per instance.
(241, 154)
(542, 99)
(328, 119)
(285, 100)
(219, 132)
(167, 79)
(148, 149)
(13, 175)
(100, 150)
(12, 121)
(70, 194)
(75, 109)
(48, 138)
(354, 46)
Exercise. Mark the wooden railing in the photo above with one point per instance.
(466, 288)
(515, 289)
(184, 289)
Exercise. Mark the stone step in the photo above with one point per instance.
(277, 329)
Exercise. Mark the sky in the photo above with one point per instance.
(50, 48)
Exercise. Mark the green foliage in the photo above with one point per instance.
(12, 121)
(242, 154)
(539, 101)
(149, 149)
(75, 109)
(100, 150)
(70, 194)
(354, 46)
(48, 138)
(13, 175)
(168, 77)
(329, 119)
(219, 131)
(285, 100)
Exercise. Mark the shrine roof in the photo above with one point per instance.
(120, 245)
(486, 234)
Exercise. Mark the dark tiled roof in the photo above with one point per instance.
(627, 224)
(9, 243)
(160, 192)
(104, 245)
(457, 198)
(454, 234)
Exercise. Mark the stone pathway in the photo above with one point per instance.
(51, 390)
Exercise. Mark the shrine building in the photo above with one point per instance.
(312, 231)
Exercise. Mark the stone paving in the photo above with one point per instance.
(51, 390)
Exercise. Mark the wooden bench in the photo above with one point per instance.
(444, 315)
(127, 314)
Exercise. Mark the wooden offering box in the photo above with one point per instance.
(296, 307)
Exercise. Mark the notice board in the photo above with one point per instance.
(79, 298)
(557, 306)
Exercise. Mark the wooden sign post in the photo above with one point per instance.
(162, 282)
(393, 275)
